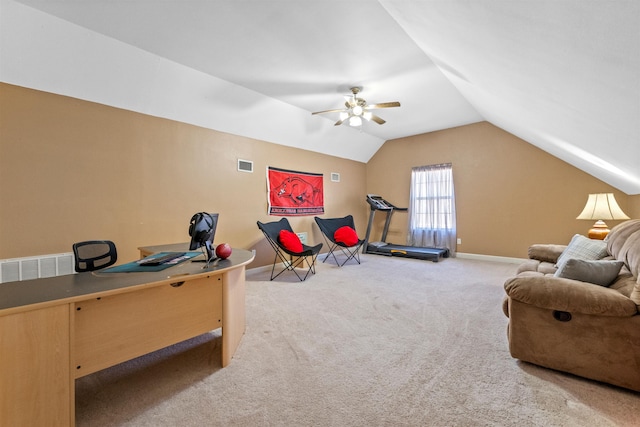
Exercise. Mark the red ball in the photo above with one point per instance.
(223, 250)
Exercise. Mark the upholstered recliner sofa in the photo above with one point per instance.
(560, 319)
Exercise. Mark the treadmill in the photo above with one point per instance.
(377, 203)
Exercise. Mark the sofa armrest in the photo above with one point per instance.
(546, 252)
(560, 294)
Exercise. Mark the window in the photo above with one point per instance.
(432, 213)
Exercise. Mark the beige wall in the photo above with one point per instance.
(633, 206)
(509, 194)
(72, 170)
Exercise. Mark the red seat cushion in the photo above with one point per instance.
(346, 235)
(290, 240)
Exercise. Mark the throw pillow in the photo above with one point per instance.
(346, 235)
(601, 273)
(581, 247)
(290, 241)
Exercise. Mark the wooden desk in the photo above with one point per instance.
(55, 330)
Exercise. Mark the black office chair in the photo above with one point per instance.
(329, 226)
(93, 255)
(289, 259)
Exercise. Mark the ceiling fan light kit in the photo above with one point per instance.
(357, 108)
(355, 121)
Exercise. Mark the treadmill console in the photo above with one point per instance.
(378, 203)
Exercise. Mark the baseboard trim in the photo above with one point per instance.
(462, 255)
(492, 258)
(267, 267)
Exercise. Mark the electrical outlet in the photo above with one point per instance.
(303, 237)
(459, 241)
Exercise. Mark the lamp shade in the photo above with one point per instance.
(602, 206)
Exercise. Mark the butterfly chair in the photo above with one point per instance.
(94, 255)
(290, 253)
(340, 234)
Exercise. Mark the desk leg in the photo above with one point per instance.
(233, 312)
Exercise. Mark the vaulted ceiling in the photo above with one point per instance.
(562, 75)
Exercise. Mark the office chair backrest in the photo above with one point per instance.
(94, 254)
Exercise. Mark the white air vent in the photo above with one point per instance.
(245, 165)
(15, 269)
(335, 177)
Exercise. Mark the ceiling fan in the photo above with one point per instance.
(357, 109)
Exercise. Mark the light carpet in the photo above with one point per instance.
(390, 342)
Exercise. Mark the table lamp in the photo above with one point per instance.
(600, 207)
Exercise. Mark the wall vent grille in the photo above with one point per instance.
(335, 177)
(15, 269)
(245, 165)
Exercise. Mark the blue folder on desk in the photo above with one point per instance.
(135, 267)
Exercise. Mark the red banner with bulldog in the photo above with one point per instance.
(294, 193)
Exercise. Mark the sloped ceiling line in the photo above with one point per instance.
(564, 76)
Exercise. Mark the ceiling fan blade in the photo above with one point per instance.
(383, 105)
(339, 122)
(377, 119)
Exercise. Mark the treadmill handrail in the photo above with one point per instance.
(378, 203)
